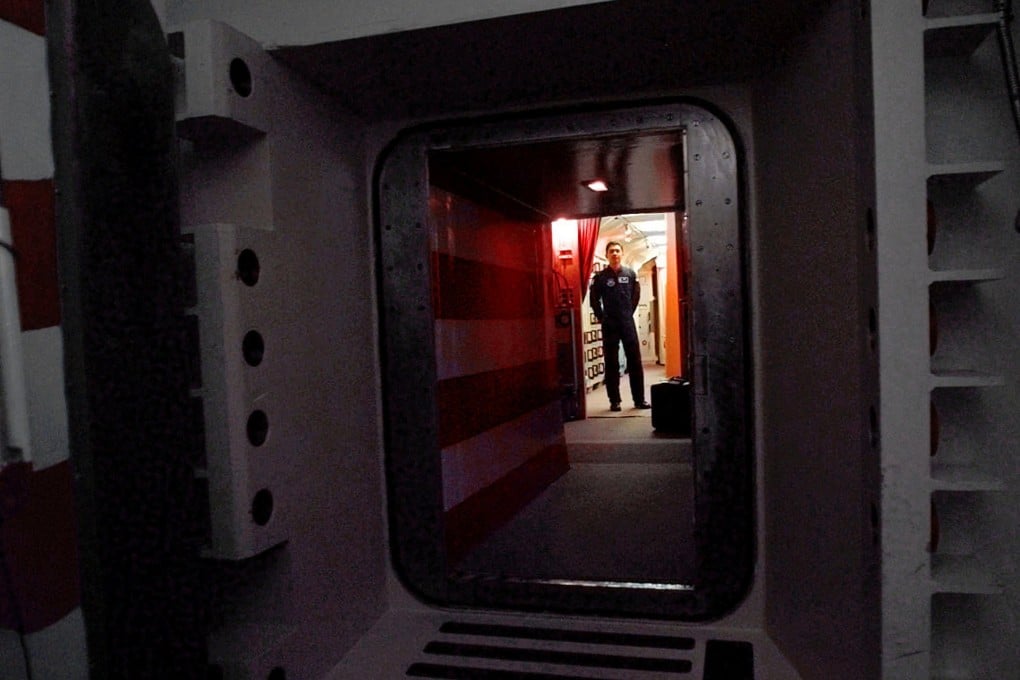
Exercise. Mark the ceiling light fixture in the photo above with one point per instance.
(597, 185)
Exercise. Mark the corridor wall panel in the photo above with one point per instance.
(500, 426)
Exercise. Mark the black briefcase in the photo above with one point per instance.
(671, 406)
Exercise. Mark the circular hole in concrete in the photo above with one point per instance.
(248, 268)
(240, 77)
(258, 428)
(253, 348)
(262, 507)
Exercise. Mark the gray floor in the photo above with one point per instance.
(623, 512)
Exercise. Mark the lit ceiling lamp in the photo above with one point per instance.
(597, 185)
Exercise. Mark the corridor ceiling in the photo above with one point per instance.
(642, 171)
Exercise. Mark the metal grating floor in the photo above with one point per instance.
(480, 646)
(463, 650)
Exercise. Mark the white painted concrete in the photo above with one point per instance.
(47, 406)
(308, 22)
(59, 651)
(25, 150)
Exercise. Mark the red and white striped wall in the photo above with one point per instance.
(39, 588)
(500, 417)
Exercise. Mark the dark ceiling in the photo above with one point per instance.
(548, 180)
(613, 50)
(624, 50)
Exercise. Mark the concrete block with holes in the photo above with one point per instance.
(240, 463)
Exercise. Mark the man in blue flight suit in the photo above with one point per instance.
(615, 292)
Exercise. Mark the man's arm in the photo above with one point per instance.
(595, 297)
(635, 296)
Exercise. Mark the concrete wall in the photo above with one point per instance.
(293, 192)
(300, 22)
(818, 371)
(949, 470)
(809, 224)
(967, 119)
(733, 99)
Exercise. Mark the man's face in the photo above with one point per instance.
(615, 256)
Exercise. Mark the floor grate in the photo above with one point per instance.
(567, 635)
(614, 661)
(502, 652)
(429, 670)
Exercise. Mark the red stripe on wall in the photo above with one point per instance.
(468, 289)
(474, 231)
(464, 347)
(29, 14)
(30, 204)
(478, 462)
(40, 550)
(471, 404)
(470, 522)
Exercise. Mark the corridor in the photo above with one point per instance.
(623, 512)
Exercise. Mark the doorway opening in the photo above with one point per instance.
(477, 297)
(652, 247)
(627, 478)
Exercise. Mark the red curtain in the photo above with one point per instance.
(587, 235)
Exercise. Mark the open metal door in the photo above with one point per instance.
(127, 393)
